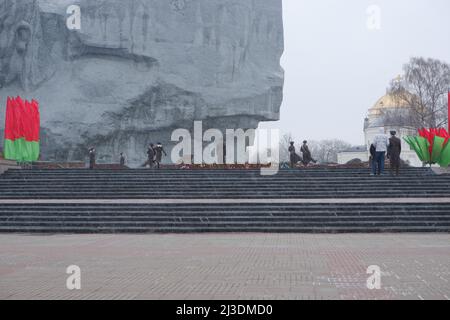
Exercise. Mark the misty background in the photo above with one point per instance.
(337, 68)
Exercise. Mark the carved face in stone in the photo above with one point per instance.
(138, 69)
(14, 38)
(24, 57)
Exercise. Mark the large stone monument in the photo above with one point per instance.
(138, 69)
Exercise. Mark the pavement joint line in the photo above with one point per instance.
(231, 201)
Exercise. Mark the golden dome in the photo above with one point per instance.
(388, 101)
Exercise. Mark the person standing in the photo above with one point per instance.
(372, 160)
(293, 156)
(393, 152)
(307, 156)
(151, 155)
(159, 150)
(91, 158)
(122, 160)
(381, 143)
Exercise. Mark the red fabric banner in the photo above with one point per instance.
(36, 120)
(22, 119)
(8, 120)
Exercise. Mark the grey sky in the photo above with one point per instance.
(336, 68)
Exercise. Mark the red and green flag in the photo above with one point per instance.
(432, 146)
(22, 124)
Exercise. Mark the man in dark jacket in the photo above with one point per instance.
(293, 156)
(122, 160)
(393, 152)
(151, 155)
(373, 160)
(159, 150)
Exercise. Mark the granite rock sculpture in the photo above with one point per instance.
(138, 69)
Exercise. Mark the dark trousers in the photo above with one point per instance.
(395, 165)
(373, 164)
(379, 161)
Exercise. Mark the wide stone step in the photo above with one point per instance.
(163, 178)
(25, 220)
(196, 170)
(227, 208)
(191, 188)
(356, 194)
(189, 212)
(223, 229)
(432, 188)
(166, 180)
(206, 223)
(365, 175)
(162, 182)
(120, 175)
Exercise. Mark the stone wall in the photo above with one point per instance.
(136, 70)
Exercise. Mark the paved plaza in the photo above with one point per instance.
(225, 266)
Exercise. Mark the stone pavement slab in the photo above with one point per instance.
(225, 266)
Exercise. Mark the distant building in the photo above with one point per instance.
(376, 119)
(359, 152)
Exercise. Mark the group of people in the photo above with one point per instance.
(383, 147)
(294, 158)
(154, 156)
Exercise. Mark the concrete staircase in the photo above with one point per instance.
(7, 164)
(309, 200)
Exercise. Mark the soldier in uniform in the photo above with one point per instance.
(393, 152)
(150, 155)
(159, 150)
(122, 160)
(293, 156)
(91, 158)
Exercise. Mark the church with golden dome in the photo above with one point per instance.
(386, 114)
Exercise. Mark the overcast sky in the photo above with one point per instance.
(336, 67)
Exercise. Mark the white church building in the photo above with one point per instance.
(372, 124)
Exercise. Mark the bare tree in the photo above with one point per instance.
(424, 89)
(326, 151)
(402, 117)
(285, 141)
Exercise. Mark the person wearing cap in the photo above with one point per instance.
(159, 150)
(393, 152)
